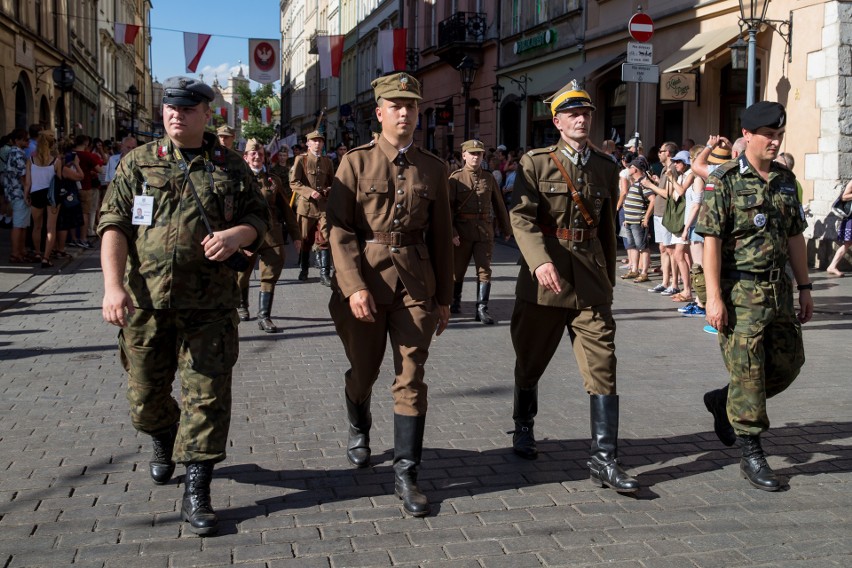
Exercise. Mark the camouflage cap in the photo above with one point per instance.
(473, 146)
(225, 130)
(186, 92)
(764, 113)
(315, 134)
(569, 97)
(396, 86)
(254, 145)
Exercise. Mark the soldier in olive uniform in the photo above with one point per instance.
(752, 223)
(166, 286)
(271, 252)
(474, 195)
(564, 222)
(310, 179)
(391, 237)
(226, 136)
(281, 168)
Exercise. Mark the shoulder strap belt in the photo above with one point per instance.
(575, 195)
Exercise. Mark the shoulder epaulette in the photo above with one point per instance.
(430, 154)
(454, 172)
(368, 146)
(723, 169)
(537, 151)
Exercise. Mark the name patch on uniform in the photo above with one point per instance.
(788, 189)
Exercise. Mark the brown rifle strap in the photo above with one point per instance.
(573, 190)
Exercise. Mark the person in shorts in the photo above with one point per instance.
(638, 205)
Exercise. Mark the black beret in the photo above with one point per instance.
(764, 113)
(184, 91)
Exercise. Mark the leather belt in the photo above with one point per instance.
(474, 216)
(773, 275)
(578, 235)
(395, 239)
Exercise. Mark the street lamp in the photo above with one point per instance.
(739, 59)
(496, 96)
(133, 96)
(753, 16)
(467, 70)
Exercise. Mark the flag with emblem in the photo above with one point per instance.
(125, 33)
(392, 45)
(330, 50)
(193, 48)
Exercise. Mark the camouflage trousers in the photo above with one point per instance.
(201, 346)
(762, 349)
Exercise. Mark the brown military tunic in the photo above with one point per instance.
(474, 197)
(311, 173)
(390, 234)
(281, 218)
(550, 227)
(283, 173)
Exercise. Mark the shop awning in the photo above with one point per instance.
(581, 71)
(696, 49)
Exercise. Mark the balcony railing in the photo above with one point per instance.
(412, 59)
(463, 27)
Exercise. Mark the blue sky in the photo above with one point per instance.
(230, 23)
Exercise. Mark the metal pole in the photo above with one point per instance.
(752, 63)
(496, 124)
(636, 114)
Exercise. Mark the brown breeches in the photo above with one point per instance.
(480, 251)
(271, 265)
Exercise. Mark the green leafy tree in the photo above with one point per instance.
(255, 101)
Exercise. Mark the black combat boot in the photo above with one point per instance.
(243, 310)
(324, 256)
(603, 465)
(196, 508)
(306, 261)
(716, 402)
(483, 292)
(526, 407)
(455, 307)
(161, 465)
(264, 310)
(408, 447)
(360, 422)
(753, 465)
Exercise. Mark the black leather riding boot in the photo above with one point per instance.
(161, 465)
(603, 465)
(754, 467)
(324, 256)
(264, 310)
(716, 402)
(360, 422)
(196, 508)
(455, 307)
(483, 293)
(526, 407)
(305, 264)
(408, 448)
(243, 310)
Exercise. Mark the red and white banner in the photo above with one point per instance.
(125, 33)
(221, 111)
(264, 60)
(330, 50)
(193, 48)
(243, 113)
(266, 115)
(392, 45)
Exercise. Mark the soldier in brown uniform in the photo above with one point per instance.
(474, 195)
(226, 136)
(310, 178)
(564, 221)
(391, 238)
(271, 252)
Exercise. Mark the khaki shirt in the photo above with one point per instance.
(541, 198)
(166, 266)
(377, 189)
(281, 216)
(308, 174)
(474, 197)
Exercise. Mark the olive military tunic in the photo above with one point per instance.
(185, 319)
(311, 173)
(762, 344)
(550, 227)
(390, 234)
(474, 197)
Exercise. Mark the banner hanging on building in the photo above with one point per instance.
(264, 66)
(193, 49)
(330, 50)
(125, 33)
(392, 45)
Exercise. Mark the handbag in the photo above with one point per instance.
(840, 208)
(673, 218)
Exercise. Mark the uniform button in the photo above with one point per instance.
(400, 191)
(396, 221)
(394, 249)
(372, 189)
(576, 247)
(399, 205)
(576, 207)
(399, 176)
(552, 189)
(579, 180)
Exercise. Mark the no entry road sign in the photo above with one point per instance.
(640, 26)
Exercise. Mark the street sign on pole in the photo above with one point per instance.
(642, 53)
(636, 73)
(640, 26)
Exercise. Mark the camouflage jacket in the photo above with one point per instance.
(752, 217)
(474, 196)
(166, 266)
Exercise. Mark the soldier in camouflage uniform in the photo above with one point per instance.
(474, 195)
(271, 252)
(563, 216)
(166, 286)
(752, 223)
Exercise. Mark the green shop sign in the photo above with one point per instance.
(534, 42)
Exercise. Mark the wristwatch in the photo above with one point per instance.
(808, 286)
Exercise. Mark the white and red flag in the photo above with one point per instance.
(392, 45)
(330, 50)
(221, 111)
(243, 113)
(193, 48)
(266, 115)
(125, 33)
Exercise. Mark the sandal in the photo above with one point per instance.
(46, 264)
(642, 278)
(629, 275)
(60, 254)
(681, 297)
(18, 260)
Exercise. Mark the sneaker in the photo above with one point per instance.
(72, 244)
(686, 308)
(671, 291)
(84, 244)
(657, 289)
(711, 330)
(694, 312)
